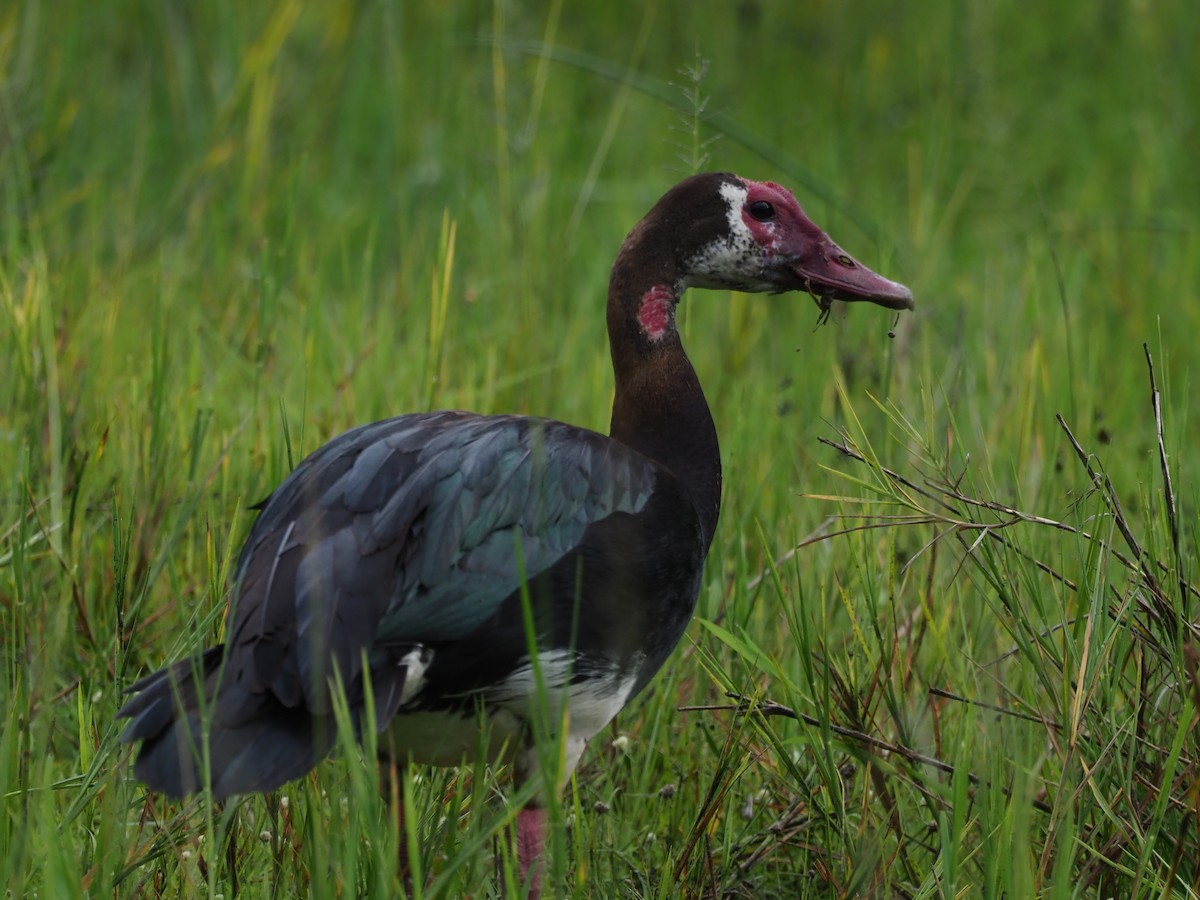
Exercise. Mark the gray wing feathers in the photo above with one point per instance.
(409, 531)
(390, 538)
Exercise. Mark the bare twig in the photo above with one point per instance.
(1163, 607)
(746, 705)
(1168, 490)
(946, 494)
(1107, 492)
(949, 695)
(845, 449)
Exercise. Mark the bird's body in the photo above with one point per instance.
(458, 568)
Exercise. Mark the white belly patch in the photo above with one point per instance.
(447, 738)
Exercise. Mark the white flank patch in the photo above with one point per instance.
(520, 687)
(449, 738)
(416, 661)
(591, 704)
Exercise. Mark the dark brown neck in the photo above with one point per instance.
(659, 409)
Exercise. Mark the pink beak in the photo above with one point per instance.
(829, 272)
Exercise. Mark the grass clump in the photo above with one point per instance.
(1053, 743)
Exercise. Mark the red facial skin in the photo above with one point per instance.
(656, 311)
(764, 242)
(819, 265)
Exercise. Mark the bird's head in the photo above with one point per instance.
(753, 236)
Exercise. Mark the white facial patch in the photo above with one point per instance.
(734, 259)
(735, 196)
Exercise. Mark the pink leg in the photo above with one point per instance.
(391, 787)
(531, 841)
(402, 864)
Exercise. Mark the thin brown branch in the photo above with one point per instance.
(1107, 492)
(1168, 489)
(821, 535)
(766, 708)
(950, 494)
(1166, 613)
(1028, 717)
(849, 451)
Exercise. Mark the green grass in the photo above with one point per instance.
(229, 231)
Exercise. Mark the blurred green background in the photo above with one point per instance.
(230, 230)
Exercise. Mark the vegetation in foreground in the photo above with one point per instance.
(959, 635)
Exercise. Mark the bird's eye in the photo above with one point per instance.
(762, 210)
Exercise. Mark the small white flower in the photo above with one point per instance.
(621, 743)
(264, 836)
(284, 801)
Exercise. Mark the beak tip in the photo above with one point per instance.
(894, 295)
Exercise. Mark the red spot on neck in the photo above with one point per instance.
(656, 311)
